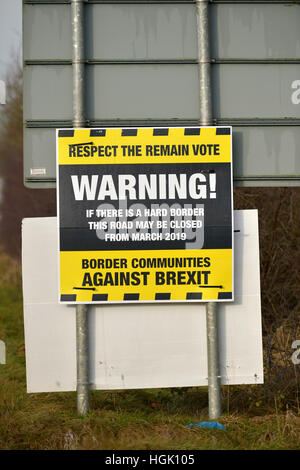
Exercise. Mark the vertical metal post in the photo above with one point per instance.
(206, 119)
(204, 60)
(77, 9)
(213, 364)
(82, 333)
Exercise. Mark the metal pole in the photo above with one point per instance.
(213, 365)
(82, 334)
(82, 360)
(204, 61)
(206, 119)
(77, 9)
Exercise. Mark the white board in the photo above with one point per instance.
(138, 346)
(2, 352)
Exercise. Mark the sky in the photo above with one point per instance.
(10, 33)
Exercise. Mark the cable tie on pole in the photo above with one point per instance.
(78, 124)
(204, 61)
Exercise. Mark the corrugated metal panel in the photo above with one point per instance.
(144, 32)
(257, 31)
(275, 148)
(254, 91)
(142, 70)
(47, 32)
(48, 92)
(152, 91)
(39, 148)
(153, 31)
(143, 92)
(115, 92)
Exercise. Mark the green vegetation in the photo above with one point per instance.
(256, 417)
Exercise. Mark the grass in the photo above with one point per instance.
(50, 422)
(256, 417)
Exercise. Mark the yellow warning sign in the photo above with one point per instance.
(145, 214)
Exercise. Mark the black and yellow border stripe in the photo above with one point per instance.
(131, 297)
(133, 132)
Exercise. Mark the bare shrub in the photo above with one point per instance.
(17, 201)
